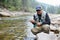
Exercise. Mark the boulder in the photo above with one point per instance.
(42, 36)
(4, 14)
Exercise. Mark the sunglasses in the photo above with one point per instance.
(38, 10)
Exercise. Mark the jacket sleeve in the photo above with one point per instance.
(34, 17)
(47, 20)
(34, 24)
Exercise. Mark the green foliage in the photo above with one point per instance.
(19, 4)
(31, 10)
(12, 8)
(51, 9)
(27, 6)
(58, 10)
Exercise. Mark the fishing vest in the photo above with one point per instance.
(43, 16)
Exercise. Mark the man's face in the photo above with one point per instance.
(39, 12)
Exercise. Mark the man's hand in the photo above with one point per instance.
(32, 21)
(38, 24)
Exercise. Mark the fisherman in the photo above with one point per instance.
(41, 21)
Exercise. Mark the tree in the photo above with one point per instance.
(58, 10)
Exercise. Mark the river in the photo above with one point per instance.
(16, 28)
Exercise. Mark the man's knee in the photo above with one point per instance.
(46, 27)
(36, 30)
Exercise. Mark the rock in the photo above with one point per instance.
(52, 27)
(42, 36)
(58, 29)
(52, 36)
(4, 14)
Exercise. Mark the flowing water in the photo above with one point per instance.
(14, 28)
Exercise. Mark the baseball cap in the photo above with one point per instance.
(38, 8)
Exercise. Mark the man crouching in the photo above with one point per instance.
(41, 21)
